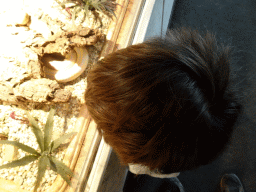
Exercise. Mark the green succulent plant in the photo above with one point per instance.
(104, 6)
(45, 157)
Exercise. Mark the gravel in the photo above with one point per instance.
(64, 122)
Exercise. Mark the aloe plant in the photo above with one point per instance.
(104, 6)
(45, 157)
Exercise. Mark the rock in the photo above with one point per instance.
(61, 96)
(32, 64)
(6, 93)
(10, 177)
(36, 90)
(22, 18)
(16, 16)
(35, 69)
(3, 136)
(63, 43)
(7, 186)
(29, 174)
(30, 54)
(40, 27)
(84, 32)
(19, 180)
(13, 74)
(41, 90)
(85, 36)
(61, 46)
(80, 41)
(9, 153)
(38, 41)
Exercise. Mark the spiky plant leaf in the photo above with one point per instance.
(48, 129)
(86, 9)
(64, 171)
(52, 166)
(20, 162)
(88, 5)
(96, 5)
(110, 11)
(43, 162)
(65, 2)
(56, 143)
(20, 146)
(37, 132)
(79, 9)
(74, 13)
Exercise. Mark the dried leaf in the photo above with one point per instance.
(12, 115)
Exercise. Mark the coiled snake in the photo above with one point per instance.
(70, 68)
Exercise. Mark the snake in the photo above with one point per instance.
(70, 68)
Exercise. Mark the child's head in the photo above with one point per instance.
(165, 103)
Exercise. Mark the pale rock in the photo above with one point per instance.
(29, 174)
(5, 175)
(16, 16)
(29, 180)
(40, 27)
(10, 153)
(6, 130)
(10, 177)
(27, 167)
(19, 180)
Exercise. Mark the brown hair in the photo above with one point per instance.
(165, 103)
